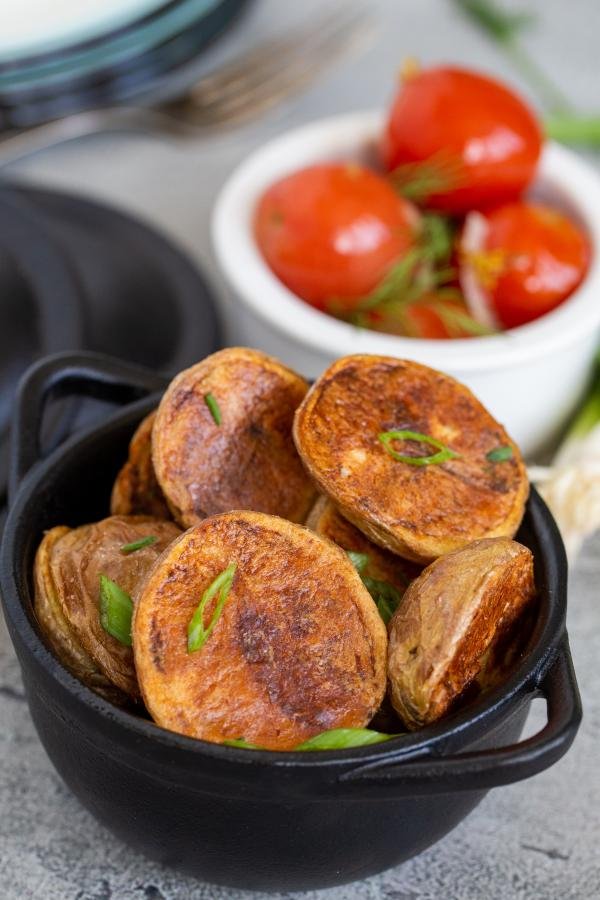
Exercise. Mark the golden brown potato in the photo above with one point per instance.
(136, 491)
(449, 618)
(248, 459)
(67, 572)
(298, 648)
(383, 565)
(417, 511)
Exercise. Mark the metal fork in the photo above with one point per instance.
(237, 92)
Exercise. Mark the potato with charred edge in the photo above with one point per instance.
(294, 647)
(410, 456)
(136, 492)
(68, 566)
(222, 439)
(328, 522)
(450, 617)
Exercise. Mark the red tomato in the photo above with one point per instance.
(476, 136)
(528, 258)
(332, 232)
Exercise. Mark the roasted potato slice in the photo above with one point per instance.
(419, 511)
(222, 439)
(450, 617)
(382, 565)
(58, 633)
(136, 491)
(298, 647)
(67, 572)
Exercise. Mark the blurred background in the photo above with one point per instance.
(175, 184)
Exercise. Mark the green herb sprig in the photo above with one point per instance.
(425, 275)
(443, 455)
(198, 633)
(417, 181)
(116, 610)
(126, 549)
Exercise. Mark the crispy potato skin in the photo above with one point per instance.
(248, 461)
(299, 647)
(136, 492)
(67, 579)
(59, 635)
(449, 619)
(325, 520)
(419, 512)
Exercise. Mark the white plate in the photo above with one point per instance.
(29, 27)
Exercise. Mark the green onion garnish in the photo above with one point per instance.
(198, 634)
(500, 454)
(116, 610)
(336, 739)
(358, 560)
(126, 549)
(213, 407)
(342, 738)
(444, 454)
(240, 742)
(385, 595)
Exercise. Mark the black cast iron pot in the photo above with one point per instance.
(257, 819)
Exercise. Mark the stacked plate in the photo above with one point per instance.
(77, 275)
(66, 56)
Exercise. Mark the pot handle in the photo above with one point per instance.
(483, 769)
(81, 374)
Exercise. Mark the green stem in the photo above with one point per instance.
(573, 129)
(588, 415)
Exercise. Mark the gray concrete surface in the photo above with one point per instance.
(539, 840)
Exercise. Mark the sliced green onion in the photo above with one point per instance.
(358, 560)
(385, 595)
(213, 407)
(116, 610)
(198, 633)
(444, 454)
(335, 739)
(500, 454)
(126, 549)
(342, 738)
(240, 742)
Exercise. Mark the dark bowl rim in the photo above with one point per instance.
(521, 685)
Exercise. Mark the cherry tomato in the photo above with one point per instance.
(525, 260)
(475, 142)
(332, 232)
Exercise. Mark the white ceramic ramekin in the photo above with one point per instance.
(530, 378)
